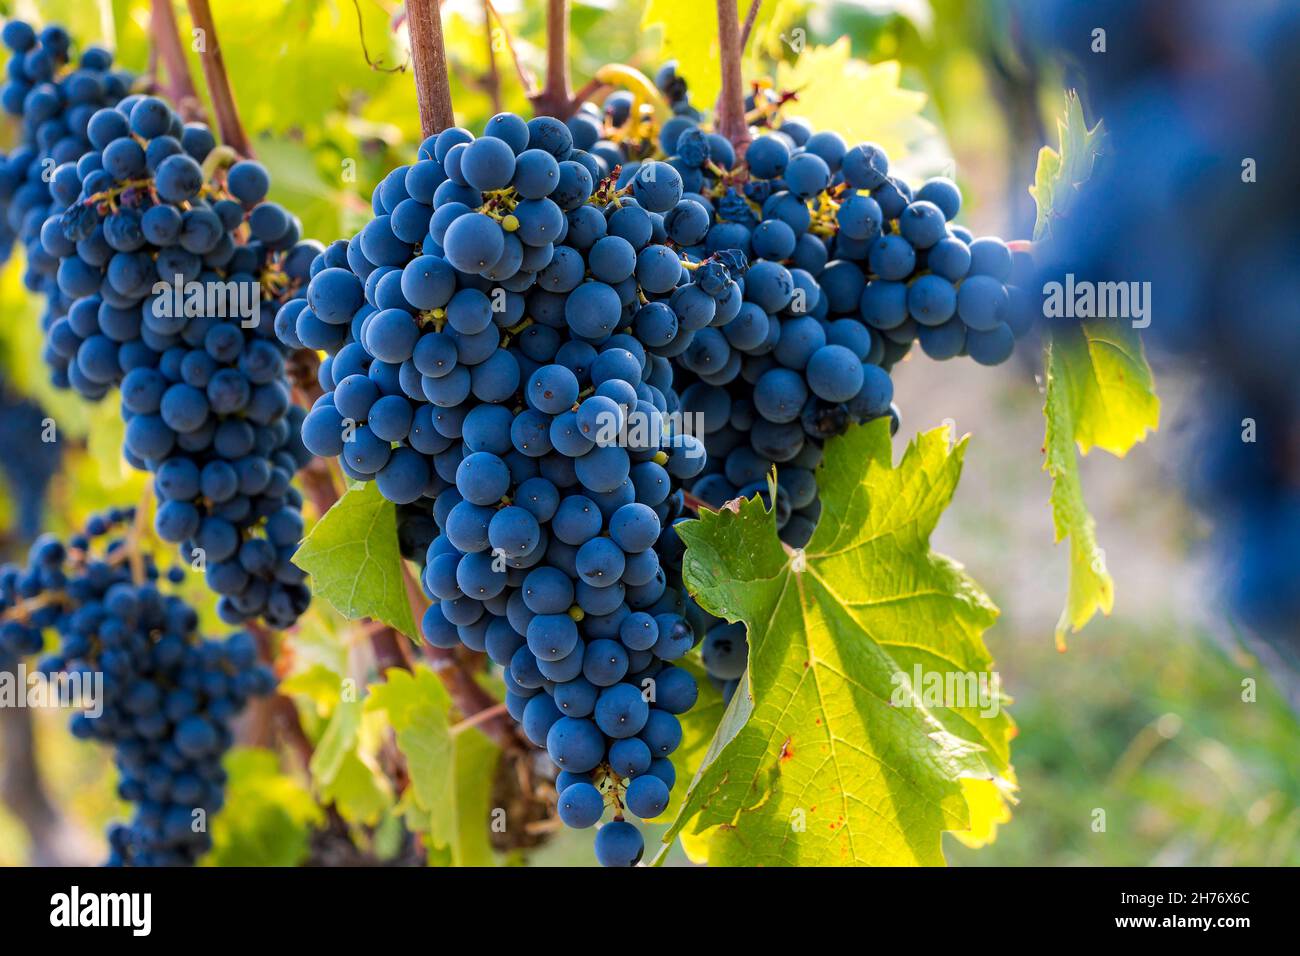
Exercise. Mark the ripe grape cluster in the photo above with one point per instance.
(499, 337)
(847, 267)
(168, 696)
(169, 270)
(1204, 120)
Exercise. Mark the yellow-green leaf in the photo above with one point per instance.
(863, 102)
(689, 32)
(1111, 392)
(268, 814)
(353, 557)
(832, 752)
(318, 684)
(338, 740)
(359, 791)
(451, 773)
(1060, 173)
(1100, 393)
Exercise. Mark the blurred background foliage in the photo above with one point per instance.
(1143, 718)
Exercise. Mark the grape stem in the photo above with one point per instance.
(218, 80)
(166, 45)
(748, 28)
(526, 78)
(496, 710)
(556, 98)
(694, 503)
(133, 553)
(22, 610)
(731, 101)
(493, 79)
(432, 86)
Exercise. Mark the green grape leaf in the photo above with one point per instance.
(354, 560)
(338, 740)
(268, 815)
(315, 683)
(1061, 172)
(1100, 393)
(832, 752)
(1100, 390)
(359, 791)
(451, 773)
(1103, 371)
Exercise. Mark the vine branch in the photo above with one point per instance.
(748, 28)
(556, 98)
(493, 77)
(526, 78)
(731, 103)
(166, 36)
(429, 53)
(214, 72)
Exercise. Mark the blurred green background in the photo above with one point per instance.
(1142, 722)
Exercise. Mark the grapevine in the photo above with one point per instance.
(563, 499)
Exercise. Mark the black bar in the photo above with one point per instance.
(385, 905)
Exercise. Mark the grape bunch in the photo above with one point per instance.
(846, 267)
(499, 339)
(53, 103)
(167, 697)
(173, 275)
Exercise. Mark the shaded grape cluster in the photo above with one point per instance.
(173, 267)
(30, 464)
(168, 696)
